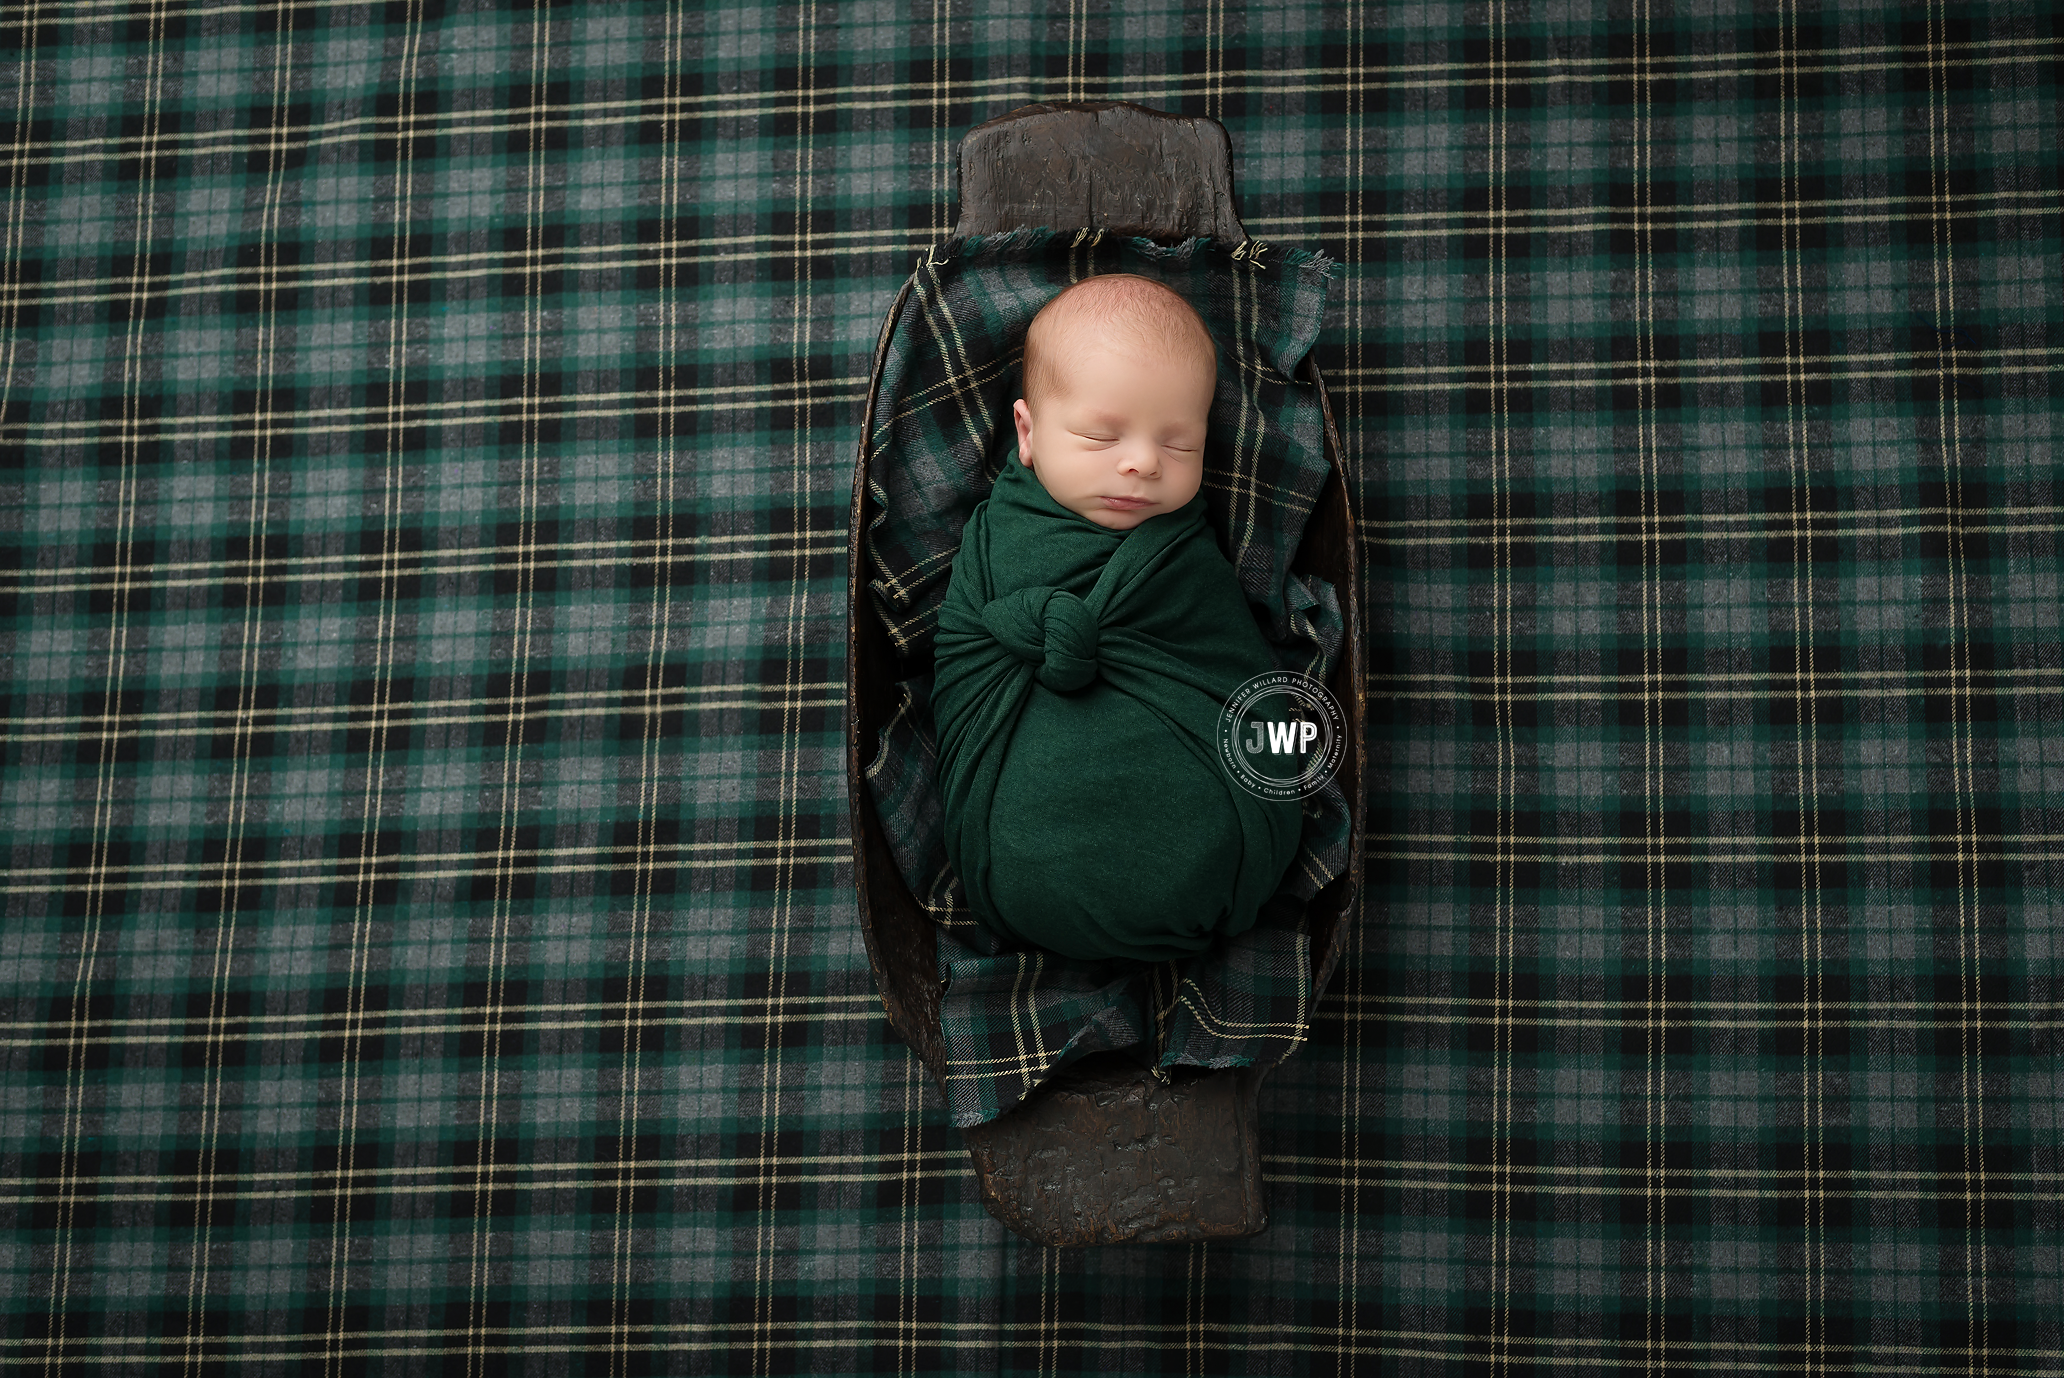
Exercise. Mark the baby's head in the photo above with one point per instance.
(1119, 373)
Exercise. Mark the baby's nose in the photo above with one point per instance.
(1142, 460)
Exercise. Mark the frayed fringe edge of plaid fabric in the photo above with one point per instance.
(1038, 237)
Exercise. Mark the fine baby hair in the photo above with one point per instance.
(1138, 311)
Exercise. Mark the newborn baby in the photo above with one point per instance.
(1091, 634)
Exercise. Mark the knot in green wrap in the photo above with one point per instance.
(1050, 629)
(1079, 676)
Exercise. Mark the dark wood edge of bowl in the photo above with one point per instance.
(910, 1000)
(1341, 898)
(1087, 107)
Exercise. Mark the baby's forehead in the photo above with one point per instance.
(1079, 337)
(1085, 343)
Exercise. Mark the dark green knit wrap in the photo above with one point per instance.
(1081, 673)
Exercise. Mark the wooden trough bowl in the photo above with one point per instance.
(1103, 1151)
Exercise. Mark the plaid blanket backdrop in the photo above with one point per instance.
(425, 439)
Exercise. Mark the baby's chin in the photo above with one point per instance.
(1111, 519)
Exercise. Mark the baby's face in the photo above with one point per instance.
(1122, 438)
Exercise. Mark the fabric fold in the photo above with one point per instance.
(1049, 629)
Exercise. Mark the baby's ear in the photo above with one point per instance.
(1022, 415)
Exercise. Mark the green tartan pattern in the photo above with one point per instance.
(428, 939)
(952, 366)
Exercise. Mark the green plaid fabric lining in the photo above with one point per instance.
(428, 942)
(951, 369)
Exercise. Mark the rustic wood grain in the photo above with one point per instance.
(1104, 1154)
(1107, 165)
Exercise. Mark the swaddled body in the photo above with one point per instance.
(1090, 637)
(1080, 677)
